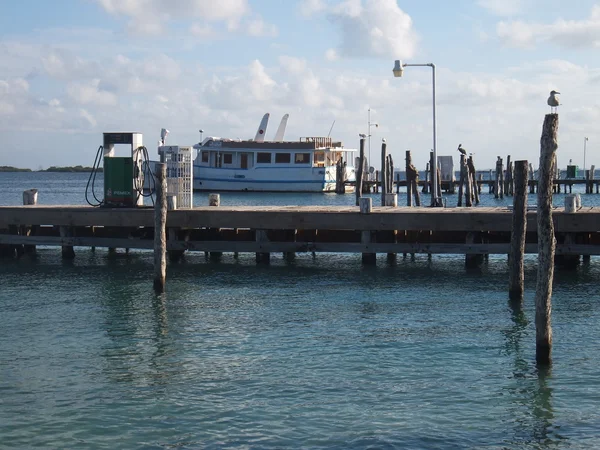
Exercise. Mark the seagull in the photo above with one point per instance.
(553, 101)
(462, 150)
(362, 135)
(383, 140)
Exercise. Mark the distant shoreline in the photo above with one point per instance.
(49, 169)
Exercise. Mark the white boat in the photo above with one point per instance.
(306, 165)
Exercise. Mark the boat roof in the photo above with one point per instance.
(310, 143)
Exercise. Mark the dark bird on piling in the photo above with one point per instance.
(462, 150)
(553, 101)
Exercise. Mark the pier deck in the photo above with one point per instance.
(296, 229)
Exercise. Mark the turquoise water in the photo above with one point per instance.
(315, 353)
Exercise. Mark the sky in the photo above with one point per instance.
(73, 69)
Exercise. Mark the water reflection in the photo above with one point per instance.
(531, 392)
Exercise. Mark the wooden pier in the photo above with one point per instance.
(290, 229)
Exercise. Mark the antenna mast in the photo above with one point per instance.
(328, 134)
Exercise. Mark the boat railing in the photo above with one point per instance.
(319, 142)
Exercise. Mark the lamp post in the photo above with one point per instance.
(398, 72)
(371, 124)
(585, 139)
(201, 132)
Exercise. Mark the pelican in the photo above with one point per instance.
(553, 101)
(461, 150)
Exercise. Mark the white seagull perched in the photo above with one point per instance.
(363, 135)
(553, 101)
(462, 150)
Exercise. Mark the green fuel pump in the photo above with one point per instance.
(123, 176)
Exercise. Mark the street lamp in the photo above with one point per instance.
(584, 148)
(398, 72)
(201, 132)
(371, 124)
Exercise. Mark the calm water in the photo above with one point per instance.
(315, 353)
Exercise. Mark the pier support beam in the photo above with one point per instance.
(67, 250)
(160, 234)
(546, 242)
(262, 257)
(473, 260)
(516, 277)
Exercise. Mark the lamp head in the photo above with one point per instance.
(398, 68)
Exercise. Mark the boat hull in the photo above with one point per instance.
(310, 179)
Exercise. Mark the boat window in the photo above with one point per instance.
(319, 159)
(282, 158)
(227, 158)
(263, 158)
(302, 158)
(205, 157)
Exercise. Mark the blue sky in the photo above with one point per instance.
(73, 69)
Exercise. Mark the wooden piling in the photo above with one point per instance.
(67, 250)
(30, 198)
(516, 275)
(366, 236)
(214, 200)
(390, 174)
(546, 241)
(412, 182)
(461, 183)
(499, 184)
(384, 172)
(160, 234)
(476, 187)
(262, 257)
(359, 173)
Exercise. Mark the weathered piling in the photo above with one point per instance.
(384, 172)
(508, 180)
(499, 184)
(461, 183)
(589, 180)
(390, 174)
(67, 250)
(30, 197)
(412, 182)
(359, 173)
(160, 233)
(173, 233)
(546, 241)
(366, 236)
(532, 179)
(476, 187)
(262, 257)
(516, 275)
(473, 260)
(214, 200)
(340, 179)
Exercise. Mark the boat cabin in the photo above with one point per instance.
(237, 154)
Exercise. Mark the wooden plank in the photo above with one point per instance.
(403, 218)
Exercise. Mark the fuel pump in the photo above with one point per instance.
(123, 175)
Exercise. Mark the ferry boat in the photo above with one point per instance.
(306, 165)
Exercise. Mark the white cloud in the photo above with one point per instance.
(377, 28)
(88, 117)
(202, 30)
(258, 27)
(564, 33)
(331, 55)
(153, 16)
(310, 7)
(503, 7)
(90, 93)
